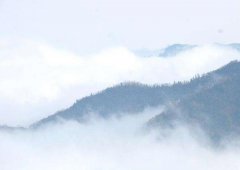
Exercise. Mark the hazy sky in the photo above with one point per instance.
(86, 26)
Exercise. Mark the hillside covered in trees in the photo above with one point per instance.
(210, 101)
(215, 108)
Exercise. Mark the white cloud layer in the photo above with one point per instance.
(113, 144)
(37, 79)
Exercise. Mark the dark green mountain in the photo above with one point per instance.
(214, 108)
(126, 97)
(210, 101)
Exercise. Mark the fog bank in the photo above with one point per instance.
(110, 144)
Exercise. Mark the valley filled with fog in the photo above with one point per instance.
(119, 85)
(136, 126)
(114, 143)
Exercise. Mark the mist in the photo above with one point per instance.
(119, 84)
(38, 79)
(116, 143)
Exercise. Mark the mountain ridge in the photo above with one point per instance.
(215, 109)
(209, 101)
(134, 97)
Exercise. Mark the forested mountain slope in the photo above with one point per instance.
(215, 109)
(209, 96)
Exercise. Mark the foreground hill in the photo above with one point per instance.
(123, 98)
(215, 109)
(210, 101)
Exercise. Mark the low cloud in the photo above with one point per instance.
(37, 79)
(109, 144)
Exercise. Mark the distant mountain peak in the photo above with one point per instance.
(174, 49)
